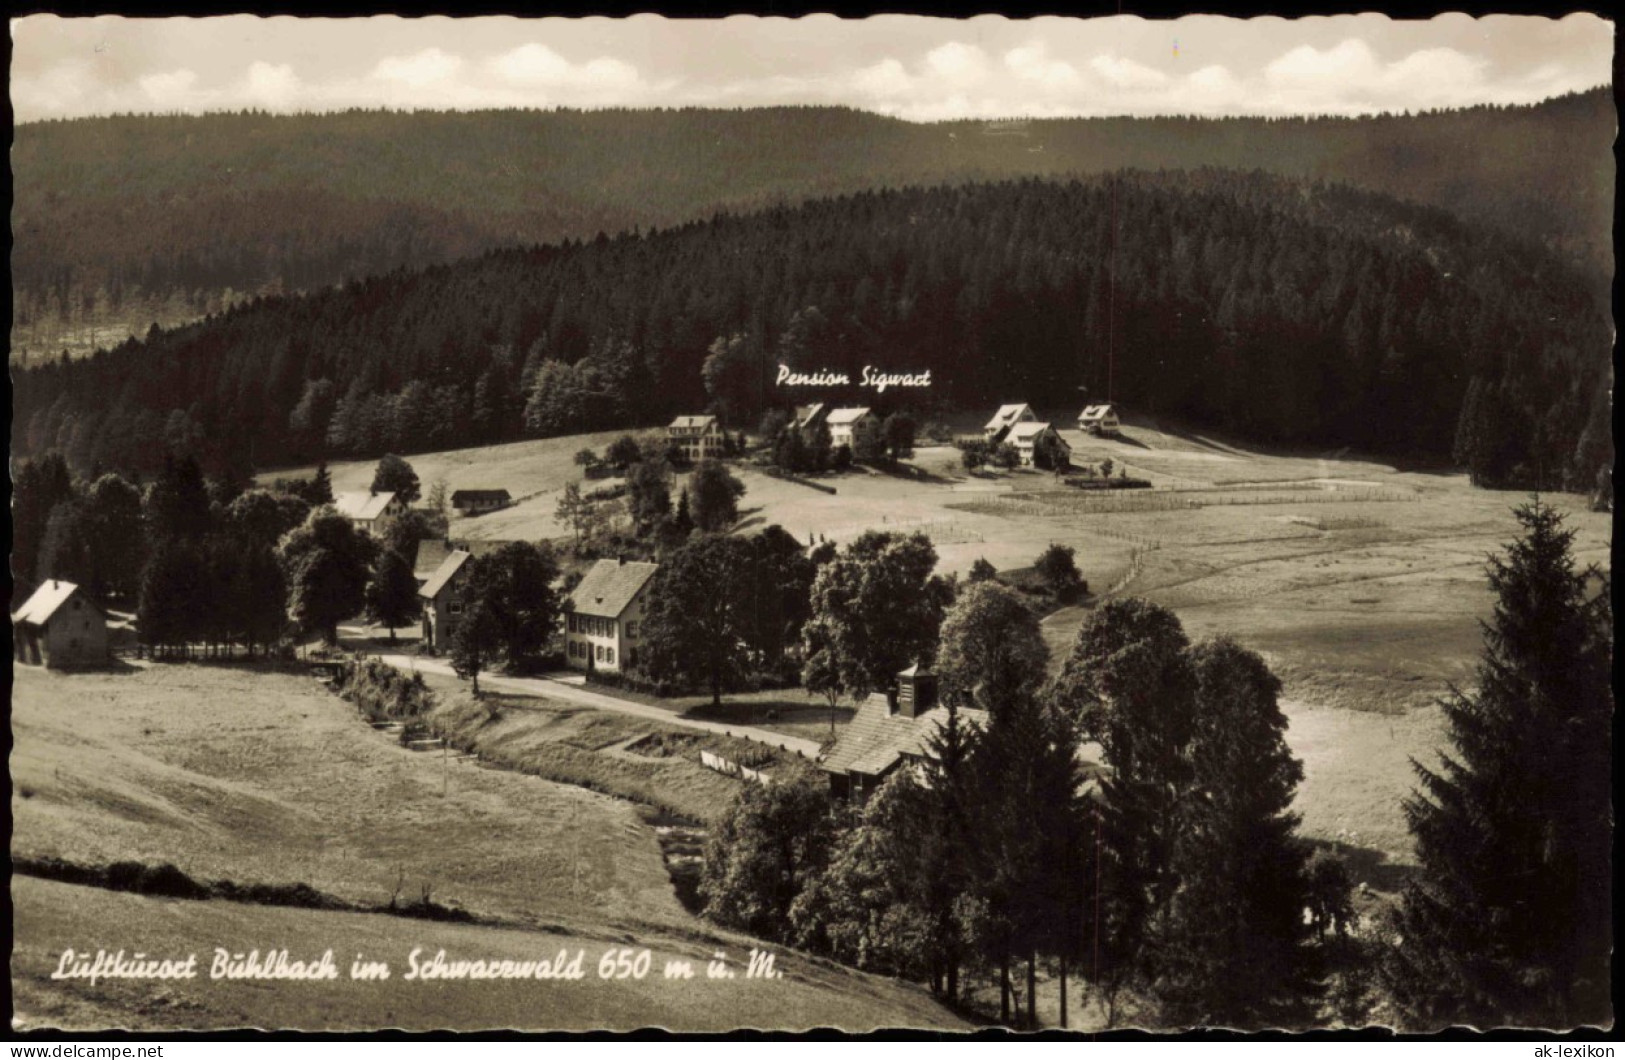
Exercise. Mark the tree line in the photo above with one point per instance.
(1170, 883)
(167, 218)
(1282, 311)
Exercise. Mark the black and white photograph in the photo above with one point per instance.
(1089, 526)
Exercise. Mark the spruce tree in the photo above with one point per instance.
(1508, 920)
(1234, 948)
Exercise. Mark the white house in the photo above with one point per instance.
(1004, 419)
(1027, 437)
(601, 628)
(842, 422)
(699, 437)
(59, 627)
(364, 508)
(1099, 419)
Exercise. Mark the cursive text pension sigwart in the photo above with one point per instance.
(870, 378)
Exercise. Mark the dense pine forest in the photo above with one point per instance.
(1283, 310)
(141, 219)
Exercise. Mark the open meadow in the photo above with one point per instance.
(1361, 583)
(259, 777)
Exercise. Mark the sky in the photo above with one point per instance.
(908, 66)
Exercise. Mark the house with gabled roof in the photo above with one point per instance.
(1099, 419)
(1004, 419)
(602, 625)
(842, 422)
(59, 627)
(809, 416)
(1029, 438)
(443, 596)
(891, 730)
(698, 437)
(364, 508)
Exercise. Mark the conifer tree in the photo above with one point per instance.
(1509, 919)
(1128, 685)
(1234, 948)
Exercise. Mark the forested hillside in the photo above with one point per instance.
(1281, 310)
(131, 220)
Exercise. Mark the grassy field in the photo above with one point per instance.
(1360, 582)
(257, 776)
(50, 917)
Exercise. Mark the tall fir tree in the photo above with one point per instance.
(1234, 948)
(1509, 918)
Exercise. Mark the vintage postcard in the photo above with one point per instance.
(1052, 524)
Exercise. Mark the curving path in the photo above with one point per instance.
(553, 688)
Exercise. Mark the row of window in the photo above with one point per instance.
(598, 652)
(593, 626)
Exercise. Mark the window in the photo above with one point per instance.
(631, 656)
(455, 608)
(631, 631)
(609, 656)
(598, 652)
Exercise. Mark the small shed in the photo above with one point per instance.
(59, 628)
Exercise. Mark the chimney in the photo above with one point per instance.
(620, 560)
(916, 691)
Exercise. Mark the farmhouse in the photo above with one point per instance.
(1031, 438)
(842, 422)
(442, 597)
(601, 627)
(809, 416)
(473, 502)
(364, 508)
(1004, 419)
(1099, 419)
(890, 730)
(58, 627)
(699, 437)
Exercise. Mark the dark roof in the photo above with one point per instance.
(432, 552)
(875, 739)
(609, 586)
(479, 495)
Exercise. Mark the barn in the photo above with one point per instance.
(59, 628)
(473, 502)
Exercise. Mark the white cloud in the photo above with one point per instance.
(884, 80)
(173, 87)
(1031, 63)
(424, 68)
(532, 64)
(275, 87)
(956, 63)
(1307, 67)
(1126, 73)
(920, 69)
